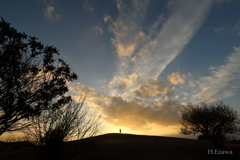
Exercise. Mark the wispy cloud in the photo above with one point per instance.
(218, 29)
(236, 27)
(191, 83)
(107, 17)
(153, 88)
(50, 14)
(154, 101)
(175, 34)
(224, 79)
(138, 98)
(125, 27)
(148, 53)
(87, 6)
(120, 83)
(219, 2)
(97, 29)
(176, 78)
(77, 90)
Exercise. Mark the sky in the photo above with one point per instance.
(140, 60)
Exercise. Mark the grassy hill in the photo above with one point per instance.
(131, 147)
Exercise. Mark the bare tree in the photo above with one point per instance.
(29, 79)
(214, 121)
(73, 121)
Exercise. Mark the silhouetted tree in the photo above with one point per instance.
(214, 121)
(29, 79)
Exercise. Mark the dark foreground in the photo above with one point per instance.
(129, 147)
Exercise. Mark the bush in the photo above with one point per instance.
(202, 137)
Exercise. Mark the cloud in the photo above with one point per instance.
(52, 2)
(219, 2)
(176, 78)
(125, 26)
(236, 28)
(142, 105)
(81, 89)
(125, 49)
(224, 79)
(124, 44)
(191, 83)
(153, 105)
(87, 6)
(152, 88)
(218, 29)
(107, 18)
(173, 37)
(146, 51)
(135, 115)
(93, 97)
(97, 29)
(138, 99)
(50, 14)
(140, 8)
(120, 83)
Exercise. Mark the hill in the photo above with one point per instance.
(132, 147)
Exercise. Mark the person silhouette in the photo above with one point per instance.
(120, 131)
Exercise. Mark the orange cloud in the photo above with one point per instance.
(120, 83)
(176, 78)
(152, 88)
(124, 49)
(191, 84)
(153, 104)
(135, 115)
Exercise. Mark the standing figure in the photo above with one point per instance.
(120, 130)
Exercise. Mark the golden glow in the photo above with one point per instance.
(153, 130)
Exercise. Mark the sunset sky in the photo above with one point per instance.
(141, 60)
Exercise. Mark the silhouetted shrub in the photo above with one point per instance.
(14, 145)
(72, 121)
(234, 141)
(207, 138)
(202, 137)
